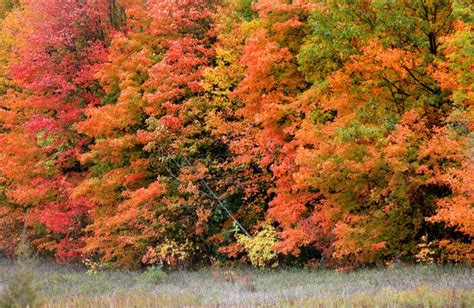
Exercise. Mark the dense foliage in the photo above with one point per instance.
(183, 132)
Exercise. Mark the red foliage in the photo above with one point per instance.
(53, 67)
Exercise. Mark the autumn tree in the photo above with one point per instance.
(148, 132)
(57, 48)
(379, 146)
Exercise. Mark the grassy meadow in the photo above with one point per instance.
(402, 286)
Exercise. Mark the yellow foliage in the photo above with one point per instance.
(427, 252)
(260, 247)
(93, 267)
(169, 252)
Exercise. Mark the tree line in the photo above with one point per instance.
(184, 132)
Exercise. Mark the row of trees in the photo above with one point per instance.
(182, 131)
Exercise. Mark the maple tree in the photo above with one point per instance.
(377, 145)
(153, 82)
(57, 46)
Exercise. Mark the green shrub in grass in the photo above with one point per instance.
(154, 274)
(20, 290)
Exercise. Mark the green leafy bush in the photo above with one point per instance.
(20, 290)
(154, 274)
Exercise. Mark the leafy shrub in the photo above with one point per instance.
(154, 274)
(169, 252)
(94, 266)
(260, 247)
(20, 290)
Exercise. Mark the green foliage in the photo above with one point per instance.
(357, 131)
(334, 35)
(244, 9)
(462, 9)
(154, 274)
(21, 288)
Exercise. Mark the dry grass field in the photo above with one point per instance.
(404, 286)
